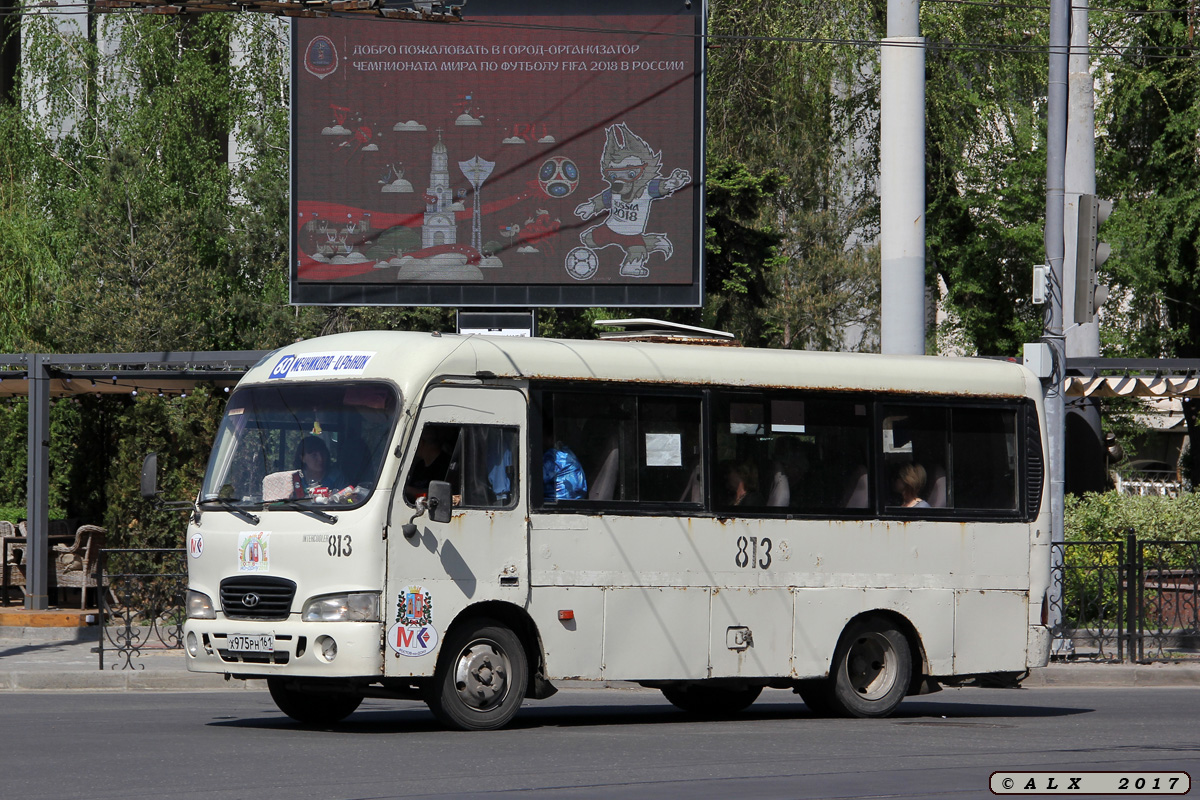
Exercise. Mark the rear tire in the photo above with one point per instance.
(817, 694)
(312, 707)
(872, 669)
(481, 677)
(711, 700)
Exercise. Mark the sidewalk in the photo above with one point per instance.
(38, 659)
(55, 659)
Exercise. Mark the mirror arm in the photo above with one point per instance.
(409, 529)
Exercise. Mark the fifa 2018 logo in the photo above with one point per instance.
(633, 171)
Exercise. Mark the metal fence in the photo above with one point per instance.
(1126, 600)
(140, 593)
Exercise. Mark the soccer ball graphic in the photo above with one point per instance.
(558, 176)
(581, 263)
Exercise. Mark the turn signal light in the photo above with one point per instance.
(565, 614)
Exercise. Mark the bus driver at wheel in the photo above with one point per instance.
(315, 467)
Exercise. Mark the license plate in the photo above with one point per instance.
(251, 643)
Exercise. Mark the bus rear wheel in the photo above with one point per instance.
(872, 669)
(312, 707)
(481, 677)
(711, 700)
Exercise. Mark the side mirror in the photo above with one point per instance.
(150, 477)
(439, 501)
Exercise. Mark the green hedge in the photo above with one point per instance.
(1110, 516)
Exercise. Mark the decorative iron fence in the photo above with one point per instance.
(1126, 600)
(141, 593)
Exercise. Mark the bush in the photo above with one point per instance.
(1110, 516)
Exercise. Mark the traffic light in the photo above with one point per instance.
(1090, 253)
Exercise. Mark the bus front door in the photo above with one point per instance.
(472, 437)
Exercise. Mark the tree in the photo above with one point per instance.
(793, 93)
(985, 169)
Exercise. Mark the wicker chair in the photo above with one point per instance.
(14, 554)
(75, 564)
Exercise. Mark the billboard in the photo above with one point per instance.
(540, 153)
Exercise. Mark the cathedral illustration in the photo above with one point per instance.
(439, 226)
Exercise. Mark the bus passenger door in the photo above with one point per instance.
(472, 437)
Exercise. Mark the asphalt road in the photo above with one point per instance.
(582, 743)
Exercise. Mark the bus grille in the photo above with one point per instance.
(257, 597)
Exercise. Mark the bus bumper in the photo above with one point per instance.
(295, 649)
(1039, 646)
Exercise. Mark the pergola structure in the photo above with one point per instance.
(41, 376)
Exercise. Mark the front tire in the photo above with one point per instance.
(312, 707)
(711, 700)
(481, 677)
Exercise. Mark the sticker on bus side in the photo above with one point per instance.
(321, 365)
(413, 633)
(412, 640)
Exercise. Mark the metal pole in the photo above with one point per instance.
(902, 181)
(1056, 147)
(1083, 338)
(37, 491)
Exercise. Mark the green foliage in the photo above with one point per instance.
(792, 123)
(986, 169)
(1109, 516)
(740, 253)
(181, 431)
(1147, 118)
(1096, 523)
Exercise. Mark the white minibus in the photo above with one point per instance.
(467, 520)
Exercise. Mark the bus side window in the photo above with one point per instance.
(433, 460)
(487, 466)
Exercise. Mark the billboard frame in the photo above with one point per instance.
(564, 292)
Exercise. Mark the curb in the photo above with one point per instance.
(121, 681)
(49, 635)
(1113, 675)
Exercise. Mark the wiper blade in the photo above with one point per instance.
(231, 508)
(296, 505)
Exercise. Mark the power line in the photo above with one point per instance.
(718, 39)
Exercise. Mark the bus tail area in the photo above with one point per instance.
(468, 520)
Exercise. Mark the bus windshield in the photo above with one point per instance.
(317, 444)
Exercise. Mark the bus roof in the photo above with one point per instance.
(413, 359)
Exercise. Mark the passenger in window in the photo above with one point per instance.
(432, 463)
(856, 494)
(741, 484)
(315, 467)
(563, 477)
(789, 467)
(910, 483)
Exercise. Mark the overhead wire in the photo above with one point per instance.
(718, 39)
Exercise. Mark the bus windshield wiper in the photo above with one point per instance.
(307, 509)
(231, 508)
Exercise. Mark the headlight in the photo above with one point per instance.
(353, 607)
(199, 606)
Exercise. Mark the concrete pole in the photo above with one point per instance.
(1083, 337)
(1056, 156)
(902, 181)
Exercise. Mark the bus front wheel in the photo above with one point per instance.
(481, 677)
(872, 669)
(711, 700)
(312, 707)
